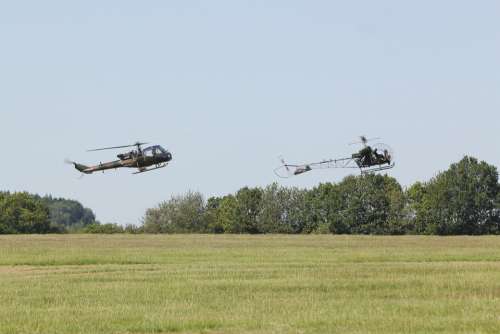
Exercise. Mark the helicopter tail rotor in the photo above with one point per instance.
(284, 163)
(69, 162)
(78, 167)
(284, 170)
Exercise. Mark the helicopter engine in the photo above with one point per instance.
(125, 156)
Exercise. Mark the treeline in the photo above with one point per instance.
(465, 199)
(23, 213)
(67, 215)
(26, 213)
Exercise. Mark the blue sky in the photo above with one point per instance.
(228, 86)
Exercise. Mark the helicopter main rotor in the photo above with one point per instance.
(137, 144)
(363, 140)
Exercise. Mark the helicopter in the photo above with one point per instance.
(142, 159)
(369, 159)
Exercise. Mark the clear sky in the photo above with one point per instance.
(228, 86)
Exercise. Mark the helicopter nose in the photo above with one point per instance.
(169, 156)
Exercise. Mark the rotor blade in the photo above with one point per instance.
(115, 147)
(283, 162)
(109, 148)
(364, 140)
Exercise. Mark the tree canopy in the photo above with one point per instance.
(462, 200)
(22, 212)
(465, 199)
(68, 214)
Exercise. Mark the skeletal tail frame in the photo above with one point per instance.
(286, 171)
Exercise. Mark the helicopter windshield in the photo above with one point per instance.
(153, 150)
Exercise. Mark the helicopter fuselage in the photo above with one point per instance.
(141, 159)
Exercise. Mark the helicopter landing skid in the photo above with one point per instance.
(151, 169)
(377, 169)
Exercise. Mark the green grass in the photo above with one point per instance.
(249, 284)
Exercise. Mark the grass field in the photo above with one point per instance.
(249, 284)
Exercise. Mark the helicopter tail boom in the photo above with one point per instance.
(79, 167)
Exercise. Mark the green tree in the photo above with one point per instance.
(226, 215)
(371, 204)
(248, 206)
(461, 200)
(323, 207)
(23, 213)
(296, 212)
(180, 214)
(281, 210)
(211, 215)
(68, 214)
(415, 208)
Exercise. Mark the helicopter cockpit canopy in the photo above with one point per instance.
(153, 150)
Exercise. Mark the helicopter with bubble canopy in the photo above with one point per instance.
(369, 159)
(145, 160)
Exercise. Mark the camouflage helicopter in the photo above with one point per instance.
(139, 158)
(369, 159)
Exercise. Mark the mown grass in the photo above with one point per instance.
(249, 284)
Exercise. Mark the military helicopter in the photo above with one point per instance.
(139, 158)
(369, 159)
